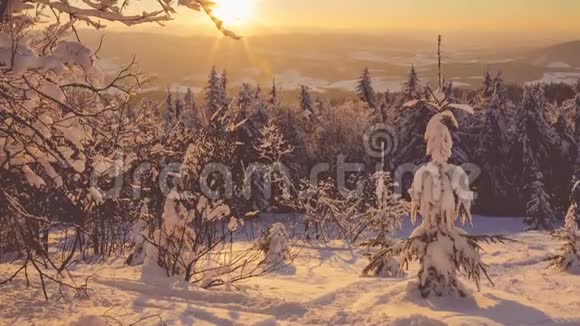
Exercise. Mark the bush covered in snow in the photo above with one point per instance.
(274, 243)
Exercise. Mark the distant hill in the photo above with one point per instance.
(563, 55)
(328, 64)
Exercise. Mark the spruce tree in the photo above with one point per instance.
(492, 146)
(533, 149)
(488, 85)
(213, 94)
(440, 194)
(178, 109)
(577, 136)
(224, 89)
(169, 111)
(562, 164)
(365, 90)
(306, 104)
(569, 254)
(274, 101)
(539, 212)
(499, 88)
(411, 88)
(245, 98)
(189, 116)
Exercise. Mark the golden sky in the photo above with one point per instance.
(551, 19)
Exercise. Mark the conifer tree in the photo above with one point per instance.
(245, 98)
(411, 88)
(499, 88)
(492, 146)
(562, 164)
(274, 101)
(488, 85)
(577, 136)
(306, 104)
(539, 212)
(214, 97)
(178, 109)
(225, 100)
(569, 254)
(534, 144)
(189, 116)
(169, 111)
(365, 90)
(441, 194)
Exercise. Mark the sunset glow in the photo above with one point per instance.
(234, 12)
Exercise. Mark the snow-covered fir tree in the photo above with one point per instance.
(533, 147)
(569, 254)
(178, 109)
(365, 91)
(411, 87)
(214, 96)
(487, 85)
(169, 111)
(274, 100)
(440, 194)
(387, 209)
(225, 100)
(562, 163)
(499, 87)
(490, 147)
(539, 212)
(275, 245)
(306, 105)
(245, 99)
(190, 117)
(577, 135)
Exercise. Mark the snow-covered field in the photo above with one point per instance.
(323, 287)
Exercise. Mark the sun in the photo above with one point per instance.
(234, 12)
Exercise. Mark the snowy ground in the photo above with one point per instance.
(324, 288)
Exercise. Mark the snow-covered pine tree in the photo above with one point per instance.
(492, 145)
(499, 87)
(306, 104)
(382, 114)
(275, 245)
(569, 255)
(190, 117)
(440, 193)
(562, 164)
(539, 212)
(412, 88)
(386, 211)
(245, 99)
(274, 100)
(487, 85)
(225, 100)
(214, 97)
(365, 91)
(577, 136)
(274, 151)
(178, 109)
(533, 147)
(169, 111)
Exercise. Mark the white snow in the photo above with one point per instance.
(323, 287)
(558, 77)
